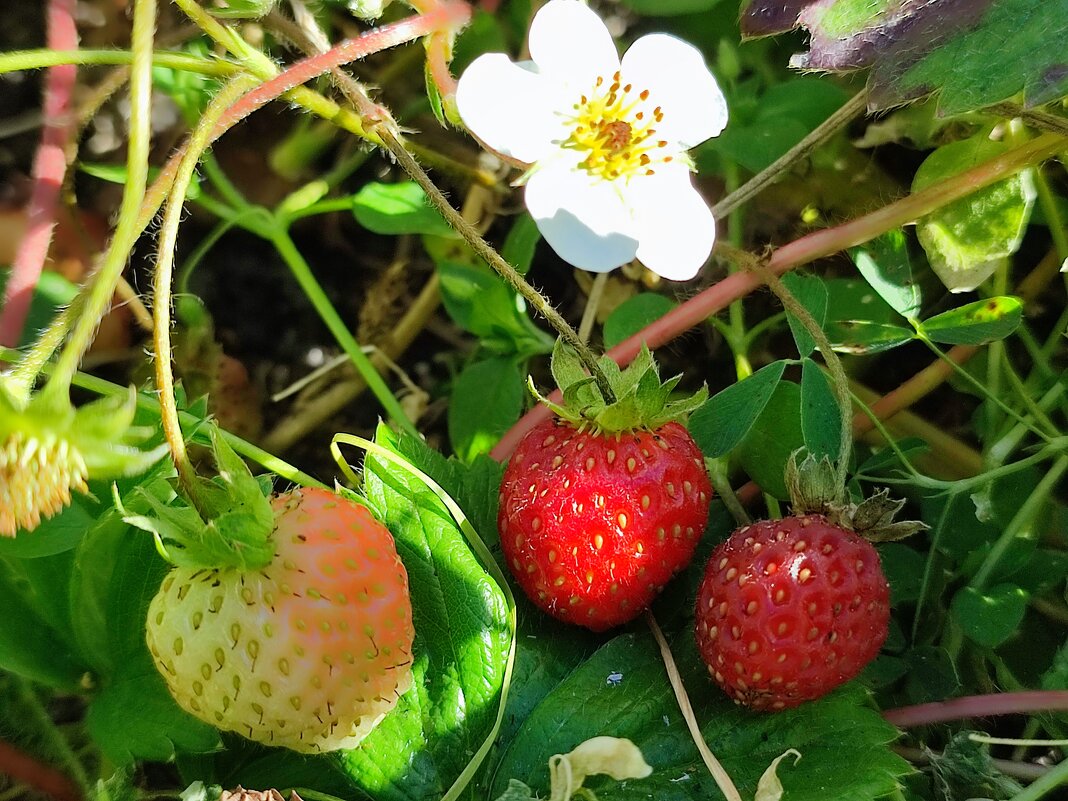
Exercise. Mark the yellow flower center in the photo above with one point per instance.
(614, 127)
(36, 479)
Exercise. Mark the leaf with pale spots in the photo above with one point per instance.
(844, 741)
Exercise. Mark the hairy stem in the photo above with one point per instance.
(162, 279)
(805, 250)
(763, 179)
(839, 379)
(486, 252)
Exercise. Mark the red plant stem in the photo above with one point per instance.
(24, 768)
(49, 170)
(803, 251)
(979, 706)
(445, 15)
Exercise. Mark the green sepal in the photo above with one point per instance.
(812, 484)
(239, 525)
(642, 399)
(101, 432)
(813, 487)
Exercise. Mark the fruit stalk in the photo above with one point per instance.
(161, 284)
(486, 252)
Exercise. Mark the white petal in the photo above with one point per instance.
(676, 229)
(584, 219)
(508, 106)
(679, 83)
(569, 43)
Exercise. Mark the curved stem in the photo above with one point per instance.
(723, 779)
(161, 285)
(1020, 521)
(840, 381)
(978, 706)
(1055, 778)
(21, 60)
(486, 252)
(804, 250)
(22, 767)
(101, 286)
(759, 182)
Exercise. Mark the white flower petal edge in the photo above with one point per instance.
(571, 44)
(680, 83)
(509, 107)
(585, 220)
(675, 227)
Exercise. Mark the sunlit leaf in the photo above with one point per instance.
(968, 239)
(722, 421)
(975, 323)
(884, 263)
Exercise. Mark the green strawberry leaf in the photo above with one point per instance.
(622, 691)
(990, 617)
(665, 8)
(156, 731)
(968, 239)
(461, 647)
(521, 242)
(810, 292)
(29, 646)
(776, 434)
(487, 397)
(863, 338)
(723, 420)
(400, 208)
(885, 264)
(821, 422)
(975, 323)
(482, 304)
(972, 52)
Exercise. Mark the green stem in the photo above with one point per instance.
(1020, 521)
(738, 340)
(198, 142)
(839, 379)
(717, 472)
(826, 129)
(485, 252)
(55, 743)
(302, 272)
(21, 60)
(1051, 781)
(981, 388)
(101, 286)
(1057, 230)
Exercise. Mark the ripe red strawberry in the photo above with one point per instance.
(790, 609)
(594, 524)
(308, 652)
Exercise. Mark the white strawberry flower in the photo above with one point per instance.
(607, 138)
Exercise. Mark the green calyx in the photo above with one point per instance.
(642, 400)
(49, 448)
(237, 523)
(814, 488)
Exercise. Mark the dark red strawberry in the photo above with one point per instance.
(594, 524)
(790, 609)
